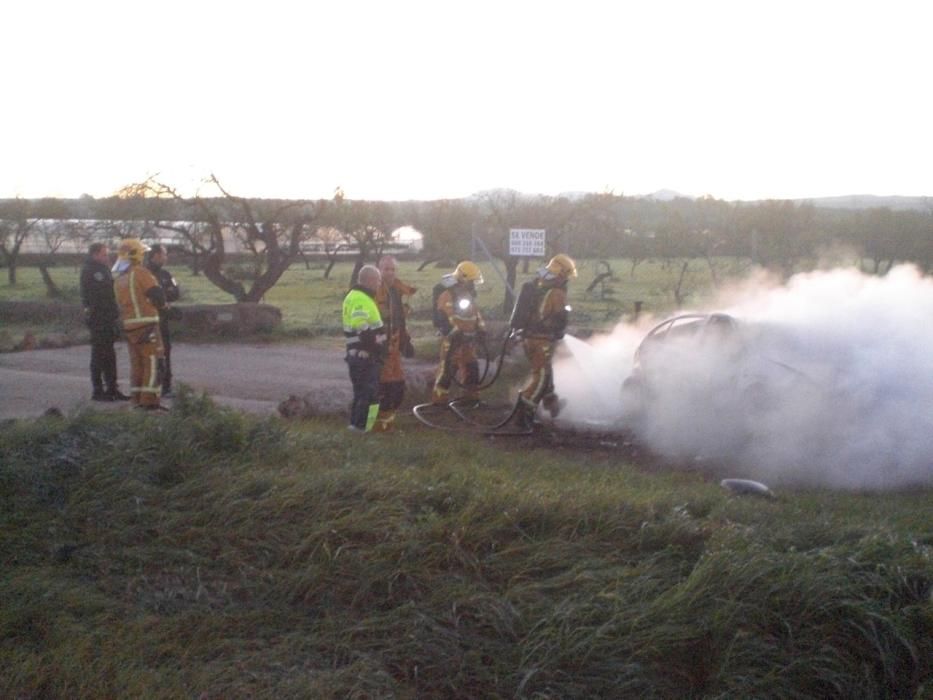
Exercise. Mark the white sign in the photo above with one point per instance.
(527, 242)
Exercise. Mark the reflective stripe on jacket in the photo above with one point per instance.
(362, 323)
(131, 288)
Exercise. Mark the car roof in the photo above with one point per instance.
(693, 321)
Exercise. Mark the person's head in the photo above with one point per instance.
(131, 252)
(158, 255)
(99, 252)
(559, 269)
(468, 273)
(387, 267)
(369, 277)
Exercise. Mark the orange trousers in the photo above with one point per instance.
(145, 349)
(541, 383)
(391, 387)
(463, 361)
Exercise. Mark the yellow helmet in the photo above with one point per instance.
(468, 272)
(132, 249)
(562, 266)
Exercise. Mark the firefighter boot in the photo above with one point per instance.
(439, 396)
(525, 416)
(553, 404)
(385, 421)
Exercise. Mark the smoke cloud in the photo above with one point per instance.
(826, 380)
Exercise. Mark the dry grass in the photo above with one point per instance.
(208, 554)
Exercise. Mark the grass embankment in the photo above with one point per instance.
(208, 554)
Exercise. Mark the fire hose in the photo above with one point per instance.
(459, 406)
(461, 338)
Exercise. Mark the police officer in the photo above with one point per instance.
(158, 256)
(102, 317)
(366, 338)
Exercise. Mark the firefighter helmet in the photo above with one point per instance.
(132, 249)
(562, 265)
(468, 272)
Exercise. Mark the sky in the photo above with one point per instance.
(442, 99)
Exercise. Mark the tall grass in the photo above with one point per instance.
(204, 553)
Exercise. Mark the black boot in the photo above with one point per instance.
(525, 417)
(553, 404)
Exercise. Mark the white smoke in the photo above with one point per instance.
(828, 380)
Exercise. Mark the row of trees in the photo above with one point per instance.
(773, 234)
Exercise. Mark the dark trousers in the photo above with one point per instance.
(165, 364)
(103, 366)
(364, 375)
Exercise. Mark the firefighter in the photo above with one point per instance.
(458, 319)
(158, 256)
(545, 325)
(140, 298)
(103, 319)
(365, 336)
(390, 299)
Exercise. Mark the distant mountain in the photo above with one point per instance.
(660, 195)
(666, 195)
(870, 201)
(87, 207)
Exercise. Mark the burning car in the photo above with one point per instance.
(715, 363)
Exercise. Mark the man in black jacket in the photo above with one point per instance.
(102, 317)
(158, 256)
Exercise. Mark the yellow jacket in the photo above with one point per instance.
(459, 306)
(139, 305)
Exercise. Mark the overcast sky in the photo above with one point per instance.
(400, 99)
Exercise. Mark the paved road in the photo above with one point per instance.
(250, 377)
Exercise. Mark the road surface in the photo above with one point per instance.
(249, 377)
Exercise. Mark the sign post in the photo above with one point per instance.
(527, 242)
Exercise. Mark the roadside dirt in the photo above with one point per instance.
(253, 378)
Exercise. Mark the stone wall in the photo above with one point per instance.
(201, 320)
(204, 320)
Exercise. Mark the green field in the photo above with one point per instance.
(212, 555)
(311, 305)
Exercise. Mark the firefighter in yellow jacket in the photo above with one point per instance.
(458, 319)
(545, 325)
(390, 297)
(140, 296)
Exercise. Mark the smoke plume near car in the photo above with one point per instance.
(828, 381)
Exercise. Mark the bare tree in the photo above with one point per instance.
(18, 217)
(506, 209)
(192, 237)
(365, 226)
(53, 234)
(780, 233)
(332, 242)
(446, 226)
(271, 234)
